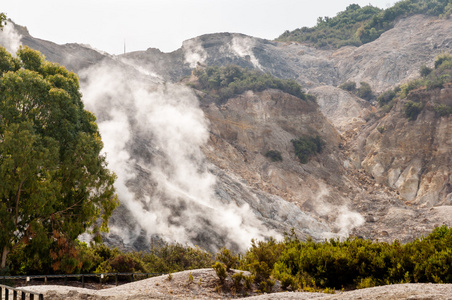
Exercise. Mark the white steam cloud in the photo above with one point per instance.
(194, 52)
(243, 47)
(344, 218)
(153, 134)
(10, 38)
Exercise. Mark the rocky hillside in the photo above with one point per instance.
(411, 156)
(380, 178)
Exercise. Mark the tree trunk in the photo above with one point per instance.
(4, 254)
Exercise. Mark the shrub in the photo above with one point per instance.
(442, 58)
(443, 110)
(413, 109)
(365, 91)
(424, 71)
(227, 258)
(366, 283)
(237, 280)
(305, 147)
(386, 97)
(348, 86)
(288, 281)
(261, 258)
(274, 155)
(220, 269)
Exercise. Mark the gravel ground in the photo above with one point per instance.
(205, 285)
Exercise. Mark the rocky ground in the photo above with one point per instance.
(205, 285)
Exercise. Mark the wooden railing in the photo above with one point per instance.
(101, 276)
(5, 293)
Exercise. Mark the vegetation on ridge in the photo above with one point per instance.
(360, 25)
(229, 81)
(431, 78)
(364, 91)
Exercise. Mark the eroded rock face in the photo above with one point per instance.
(413, 157)
(343, 109)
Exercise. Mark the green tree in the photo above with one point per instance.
(54, 183)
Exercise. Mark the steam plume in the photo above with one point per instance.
(10, 38)
(152, 134)
(344, 218)
(194, 53)
(243, 47)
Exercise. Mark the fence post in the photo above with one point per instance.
(15, 295)
(116, 279)
(32, 297)
(23, 296)
(65, 280)
(45, 280)
(83, 281)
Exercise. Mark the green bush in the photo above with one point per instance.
(365, 91)
(442, 58)
(261, 258)
(443, 110)
(386, 97)
(227, 258)
(413, 109)
(348, 86)
(274, 155)
(220, 269)
(424, 71)
(237, 280)
(305, 147)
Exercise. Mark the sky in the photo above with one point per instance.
(108, 25)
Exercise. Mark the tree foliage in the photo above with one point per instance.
(228, 81)
(360, 25)
(54, 183)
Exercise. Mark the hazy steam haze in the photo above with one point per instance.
(194, 52)
(344, 218)
(10, 38)
(153, 134)
(243, 47)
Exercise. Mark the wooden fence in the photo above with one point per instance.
(82, 277)
(5, 292)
